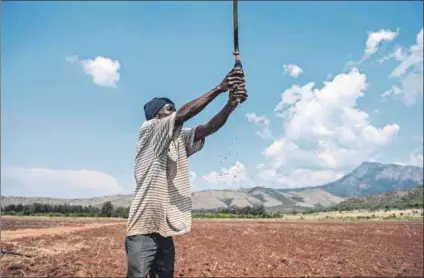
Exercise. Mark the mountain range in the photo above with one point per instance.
(367, 179)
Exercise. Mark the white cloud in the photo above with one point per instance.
(297, 178)
(399, 55)
(330, 113)
(414, 59)
(104, 71)
(386, 93)
(409, 74)
(263, 123)
(73, 59)
(57, 183)
(324, 133)
(194, 182)
(415, 156)
(292, 70)
(229, 177)
(376, 38)
(193, 176)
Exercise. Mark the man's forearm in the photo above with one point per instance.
(215, 123)
(192, 108)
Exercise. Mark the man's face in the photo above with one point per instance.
(166, 110)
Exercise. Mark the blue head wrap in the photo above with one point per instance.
(152, 107)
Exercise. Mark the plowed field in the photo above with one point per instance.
(228, 248)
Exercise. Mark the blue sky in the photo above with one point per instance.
(75, 77)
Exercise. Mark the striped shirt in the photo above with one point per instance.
(162, 198)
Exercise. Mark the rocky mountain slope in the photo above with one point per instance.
(369, 178)
(375, 178)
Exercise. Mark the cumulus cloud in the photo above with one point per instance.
(409, 74)
(263, 123)
(324, 133)
(298, 177)
(329, 120)
(314, 112)
(42, 182)
(104, 71)
(292, 70)
(232, 176)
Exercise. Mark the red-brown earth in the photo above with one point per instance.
(227, 248)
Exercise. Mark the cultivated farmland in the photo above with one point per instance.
(95, 247)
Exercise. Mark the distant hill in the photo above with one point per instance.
(407, 198)
(271, 199)
(208, 200)
(367, 179)
(373, 178)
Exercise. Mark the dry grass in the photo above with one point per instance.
(376, 215)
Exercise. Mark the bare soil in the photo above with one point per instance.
(232, 248)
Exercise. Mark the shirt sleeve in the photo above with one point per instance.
(191, 146)
(163, 131)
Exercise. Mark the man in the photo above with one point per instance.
(161, 206)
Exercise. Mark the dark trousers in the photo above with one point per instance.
(151, 253)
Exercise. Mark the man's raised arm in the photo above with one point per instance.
(192, 108)
(221, 118)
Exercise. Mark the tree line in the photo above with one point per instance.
(106, 210)
(257, 211)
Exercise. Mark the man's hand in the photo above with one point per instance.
(234, 77)
(238, 95)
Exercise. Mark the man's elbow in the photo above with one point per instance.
(202, 131)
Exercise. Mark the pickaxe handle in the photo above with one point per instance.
(236, 39)
(237, 63)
